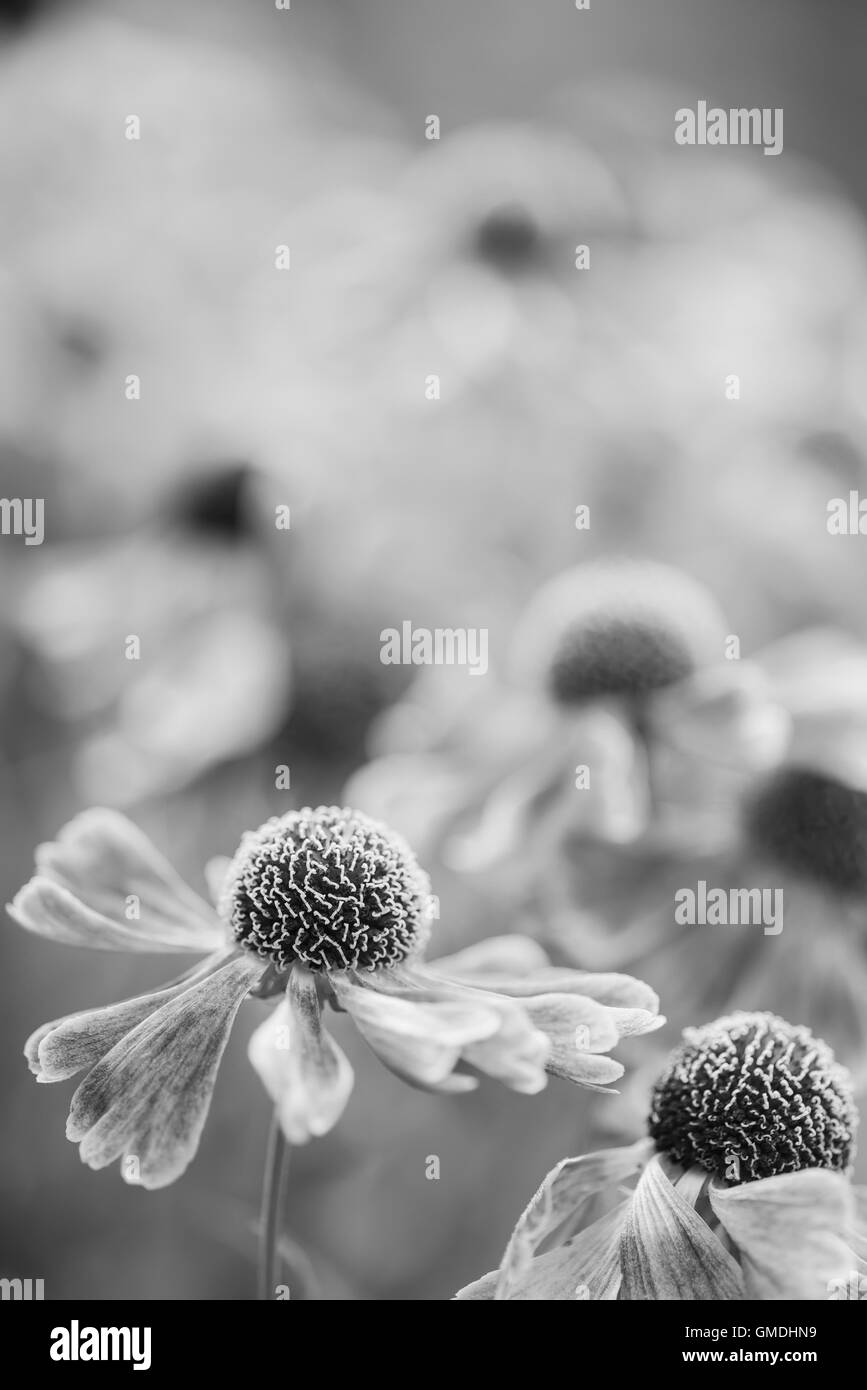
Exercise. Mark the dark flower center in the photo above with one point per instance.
(327, 887)
(813, 826)
(751, 1096)
(617, 656)
(508, 239)
(215, 503)
(621, 628)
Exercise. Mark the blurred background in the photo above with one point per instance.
(306, 389)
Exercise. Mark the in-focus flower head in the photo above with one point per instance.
(742, 1188)
(323, 907)
(813, 825)
(622, 629)
(760, 1091)
(330, 888)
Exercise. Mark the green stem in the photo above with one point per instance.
(273, 1190)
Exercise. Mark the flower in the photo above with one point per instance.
(743, 1187)
(624, 724)
(317, 906)
(195, 593)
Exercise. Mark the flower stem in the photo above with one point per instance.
(273, 1190)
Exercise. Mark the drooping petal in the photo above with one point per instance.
(597, 1073)
(514, 803)
(498, 955)
(421, 1041)
(615, 805)
(728, 714)
(305, 1073)
(516, 1054)
(102, 884)
(560, 1204)
(631, 1023)
(59, 1049)
(557, 1032)
(789, 1231)
(574, 1024)
(585, 1267)
(618, 991)
(148, 1098)
(668, 1252)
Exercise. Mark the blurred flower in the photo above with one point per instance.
(624, 726)
(743, 1189)
(210, 677)
(319, 906)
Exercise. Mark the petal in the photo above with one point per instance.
(58, 1050)
(149, 1097)
(668, 1252)
(516, 1054)
(726, 714)
(214, 689)
(506, 955)
(789, 1231)
(560, 1203)
(620, 991)
(573, 1024)
(300, 1065)
(100, 868)
(516, 802)
(631, 1022)
(551, 1032)
(615, 807)
(588, 1069)
(216, 870)
(421, 1041)
(587, 1266)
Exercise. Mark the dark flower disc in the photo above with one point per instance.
(751, 1096)
(812, 825)
(327, 887)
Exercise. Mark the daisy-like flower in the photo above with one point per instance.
(625, 722)
(743, 1184)
(317, 906)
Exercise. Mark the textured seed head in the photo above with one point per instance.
(327, 887)
(621, 629)
(814, 826)
(751, 1096)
